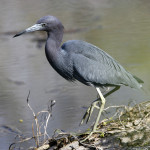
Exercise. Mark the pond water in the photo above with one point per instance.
(121, 28)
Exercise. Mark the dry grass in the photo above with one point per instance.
(40, 138)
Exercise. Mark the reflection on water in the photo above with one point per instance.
(121, 28)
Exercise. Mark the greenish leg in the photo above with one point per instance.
(89, 111)
(101, 109)
(96, 104)
(102, 99)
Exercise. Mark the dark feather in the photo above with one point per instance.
(93, 65)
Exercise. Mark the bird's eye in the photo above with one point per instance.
(43, 24)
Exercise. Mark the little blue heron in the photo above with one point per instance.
(82, 61)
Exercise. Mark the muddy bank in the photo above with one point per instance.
(128, 129)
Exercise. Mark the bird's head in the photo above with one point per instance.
(46, 23)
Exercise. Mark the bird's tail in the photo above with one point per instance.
(133, 81)
(138, 79)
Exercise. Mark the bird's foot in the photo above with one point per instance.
(89, 111)
(89, 137)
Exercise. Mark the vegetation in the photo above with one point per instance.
(128, 128)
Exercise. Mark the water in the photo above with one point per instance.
(121, 28)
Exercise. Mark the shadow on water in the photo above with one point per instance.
(121, 28)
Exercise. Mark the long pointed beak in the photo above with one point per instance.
(33, 28)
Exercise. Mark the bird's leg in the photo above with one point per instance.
(96, 104)
(101, 108)
(117, 87)
(102, 99)
(89, 111)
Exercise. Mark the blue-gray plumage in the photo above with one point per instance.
(82, 61)
(91, 65)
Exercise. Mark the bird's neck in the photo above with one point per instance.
(55, 38)
(52, 46)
